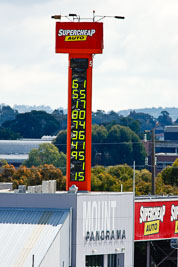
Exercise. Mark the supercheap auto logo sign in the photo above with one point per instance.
(156, 220)
(151, 217)
(76, 35)
(174, 217)
(79, 37)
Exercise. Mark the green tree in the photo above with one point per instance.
(61, 141)
(147, 122)
(3, 162)
(7, 172)
(61, 118)
(133, 124)
(22, 175)
(32, 176)
(33, 124)
(100, 117)
(99, 135)
(7, 113)
(164, 119)
(117, 145)
(8, 134)
(124, 146)
(121, 172)
(111, 178)
(170, 174)
(46, 154)
(50, 172)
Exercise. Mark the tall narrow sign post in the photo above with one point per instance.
(80, 40)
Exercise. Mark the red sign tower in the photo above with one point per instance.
(80, 40)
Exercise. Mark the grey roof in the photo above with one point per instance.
(171, 128)
(14, 158)
(19, 146)
(27, 232)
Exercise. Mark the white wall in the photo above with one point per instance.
(104, 211)
(58, 253)
(64, 244)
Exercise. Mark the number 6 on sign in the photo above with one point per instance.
(74, 83)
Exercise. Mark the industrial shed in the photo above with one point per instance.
(34, 237)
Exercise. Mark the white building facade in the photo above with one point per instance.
(68, 229)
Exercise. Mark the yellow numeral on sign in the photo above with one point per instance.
(74, 94)
(81, 155)
(82, 124)
(84, 103)
(82, 94)
(82, 114)
(83, 145)
(79, 175)
(75, 144)
(76, 124)
(81, 135)
(74, 135)
(74, 154)
(74, 83)
(75, 114)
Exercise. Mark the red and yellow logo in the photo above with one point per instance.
(76, 35)
(151, 217)
(151, 228)
(174, 217)
(76, 38)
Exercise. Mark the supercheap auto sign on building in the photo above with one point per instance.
(83, 37)
(156, 219)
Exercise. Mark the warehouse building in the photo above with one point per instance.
(66, 229)
(16, 151)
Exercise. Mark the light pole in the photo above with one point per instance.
(153, 188)
(153, 169)
(174, 245)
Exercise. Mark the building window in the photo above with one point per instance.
(94, 261)
(112, 260)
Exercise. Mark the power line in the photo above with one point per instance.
(111, 143)
(62, 167)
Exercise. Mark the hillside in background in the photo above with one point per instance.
(27, 108)
(155, 112)
(7, 113)
(36, 123)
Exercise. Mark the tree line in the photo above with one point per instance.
(111, 145)
(35, 124)
(111, 178)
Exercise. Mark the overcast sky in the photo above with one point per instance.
(138, 68)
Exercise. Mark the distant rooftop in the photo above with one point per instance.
(171, 128)
(22, 146)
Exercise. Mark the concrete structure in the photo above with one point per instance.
(6, 186)
(97, 229)
(171, 133)
(163, 160)
(166, 147)
(46, 187)
(166, 153)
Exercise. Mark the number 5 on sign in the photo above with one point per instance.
(91, 63)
